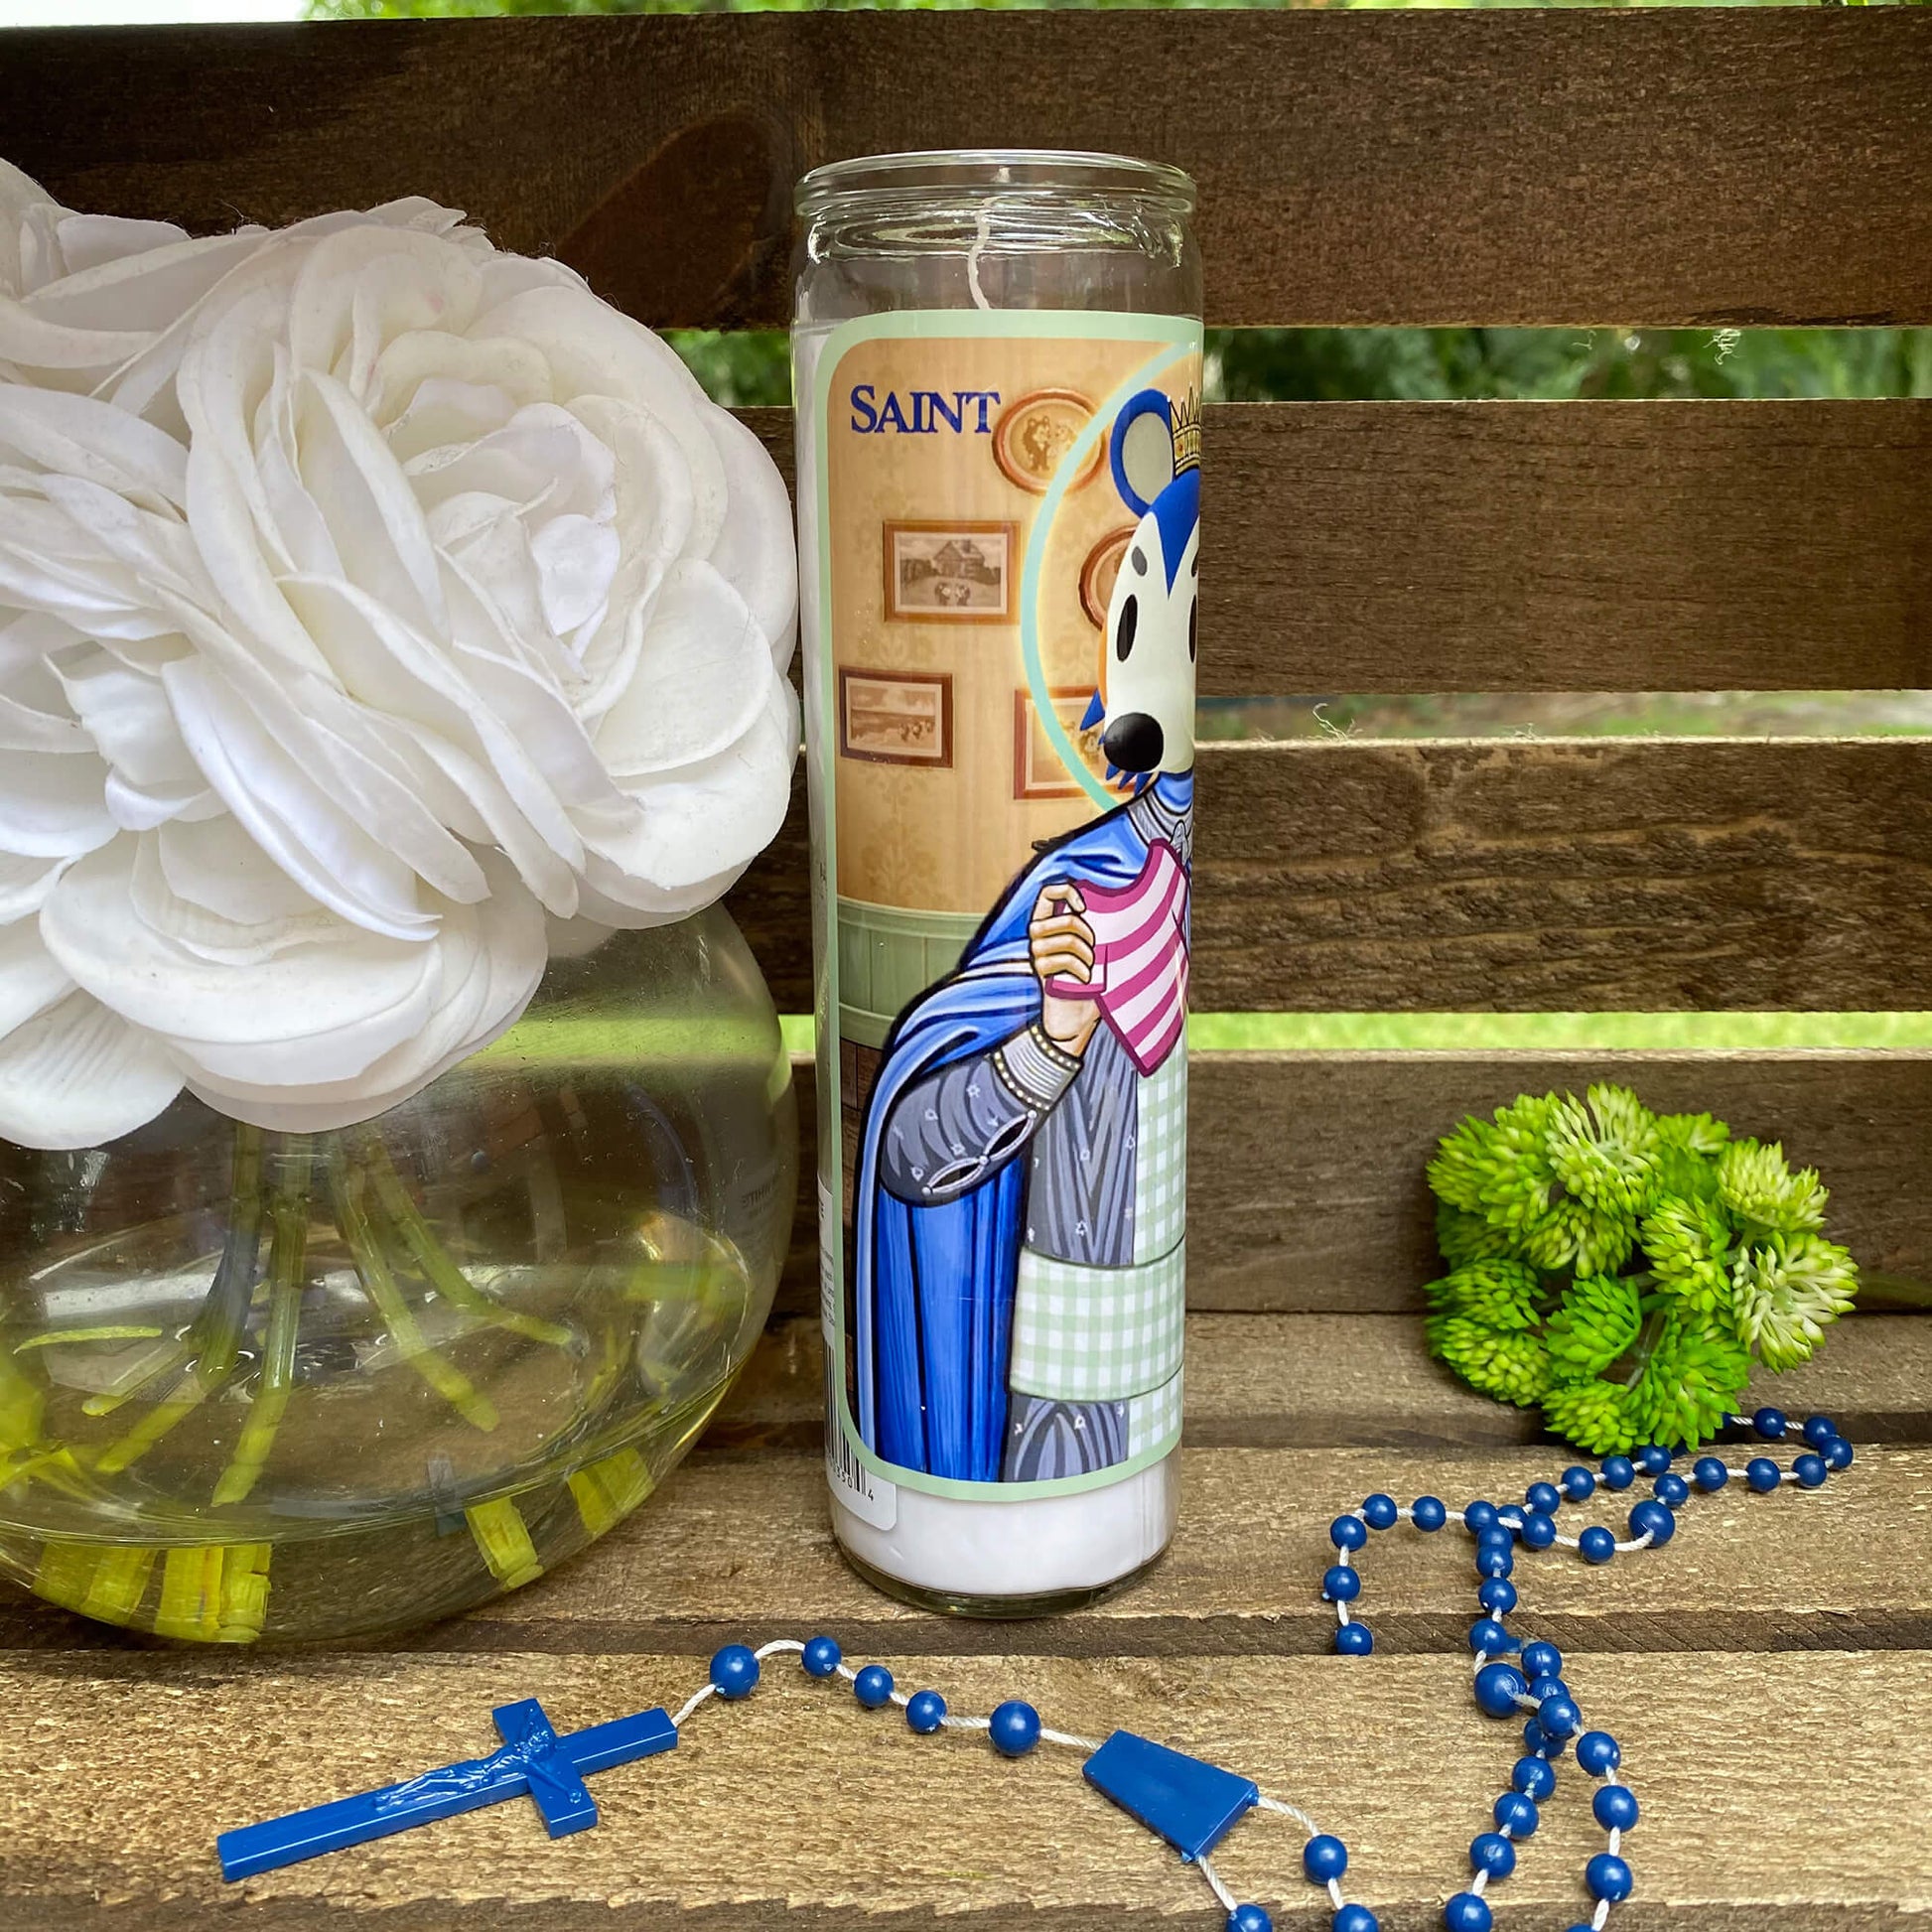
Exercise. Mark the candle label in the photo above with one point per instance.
(1001, 542)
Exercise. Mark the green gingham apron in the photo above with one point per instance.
(1111, 1335)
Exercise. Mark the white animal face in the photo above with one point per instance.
(1147, 675)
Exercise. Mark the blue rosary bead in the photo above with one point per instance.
(1497, 1687)
(1355, 1638)
(733, 1670)
(1771, 1424)
(1534, 1777)
(1479, 1516)
(1013, 1728)
(1539, 1530)
(1349, 1532)
(1762, 1474)
(1819, 1430)
(1516, 1815)
(1487, 1636)
(1491, 1851)
(1497, 1595)
(1673, 1490)
(1596, 1544)
(1355, 1919)
(1558, 1717)
(1653, 1459)
(1619, 1473)
(873, 1686)
(1542, 1687)
(1537, 1741)
(1654, 1521)
(1466, 1912)
(1579, 1484)
(1544, 1497)
(1495, 1559)
(1608, 1876)
(1381, 1512)
(1709, 1474)
(1598, 1752)
(1838, 1454)
(925, 1712)
(1249, 1918)
(1428, 1512)
(1341, 1584)
(1542, 1660)
(1614, 1807)
(1810, 1471)
(1324, 1856)
(822, 1657)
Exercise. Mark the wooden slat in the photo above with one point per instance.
(1583, 876)
(1317, 1381)
(738, 1539)
(799, 1811)
(1685, 168)
(1516, 546)
(742, 1543)
(1306, 1188)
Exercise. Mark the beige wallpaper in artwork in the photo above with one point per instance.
(943, 780)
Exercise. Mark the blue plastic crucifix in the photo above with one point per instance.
(533, 1759)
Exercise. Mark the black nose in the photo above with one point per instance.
(1133, 741)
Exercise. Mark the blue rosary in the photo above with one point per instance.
(1186, 1801)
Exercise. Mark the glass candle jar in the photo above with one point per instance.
(998, 366)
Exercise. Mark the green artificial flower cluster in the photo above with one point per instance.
(1623, 1267)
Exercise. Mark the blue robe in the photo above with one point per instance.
(935, 1284)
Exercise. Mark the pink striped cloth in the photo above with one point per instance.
(1139, 958)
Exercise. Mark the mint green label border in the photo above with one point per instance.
(1174, 336)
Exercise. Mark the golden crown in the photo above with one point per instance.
(1186, 433)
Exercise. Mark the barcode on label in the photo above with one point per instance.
(870, 1497)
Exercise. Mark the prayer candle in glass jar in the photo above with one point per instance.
(998, 368)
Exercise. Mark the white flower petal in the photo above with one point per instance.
(491, 957)
(694, 834)
(89, 240)
(31, 979)
(76, 436)
(25, 884)
(307, 1012)
(576, 560)
(592, 350)
(753, 551)
(217, 866)
(126, 714)
(373, 514)
(77, 1077)
(702, 676)
(52, 805)
(288, 813)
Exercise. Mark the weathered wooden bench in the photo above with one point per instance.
(1771, 1681)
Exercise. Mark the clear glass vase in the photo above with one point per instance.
(292, 1386)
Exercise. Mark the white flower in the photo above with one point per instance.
(372, 605)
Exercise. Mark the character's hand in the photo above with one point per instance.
(1060, 943)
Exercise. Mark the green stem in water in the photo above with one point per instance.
(449, 1280)
(286, 1272)
(346, 1184)
(213, 1341)
(210, 1341)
